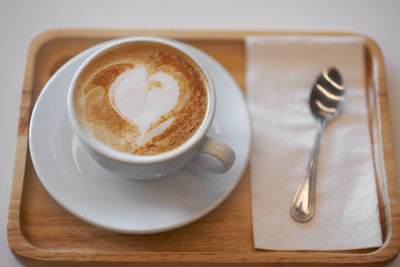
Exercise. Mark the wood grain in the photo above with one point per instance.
(41, 232)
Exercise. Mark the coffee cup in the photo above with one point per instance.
(142, 106)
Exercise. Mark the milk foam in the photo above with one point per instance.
(143, 99)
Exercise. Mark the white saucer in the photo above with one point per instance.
(100, 197)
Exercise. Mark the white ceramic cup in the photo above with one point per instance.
(195, 151)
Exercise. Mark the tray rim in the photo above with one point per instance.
(23, 248)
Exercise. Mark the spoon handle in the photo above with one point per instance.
(302, 209)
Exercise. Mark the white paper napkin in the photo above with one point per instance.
(280, 72)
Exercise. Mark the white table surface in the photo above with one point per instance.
(20, 21)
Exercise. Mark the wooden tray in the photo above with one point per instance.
(40, 231)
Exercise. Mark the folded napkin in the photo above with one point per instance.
(280, 72)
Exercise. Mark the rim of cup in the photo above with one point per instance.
(129, 158)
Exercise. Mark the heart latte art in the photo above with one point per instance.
(142, 99)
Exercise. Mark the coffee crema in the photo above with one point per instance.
(141, 98)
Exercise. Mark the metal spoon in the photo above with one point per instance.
(326, 102)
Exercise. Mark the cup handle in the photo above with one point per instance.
(213, 156)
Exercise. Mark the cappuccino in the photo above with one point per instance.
(141, 98)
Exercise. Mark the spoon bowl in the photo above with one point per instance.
(327, 95)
